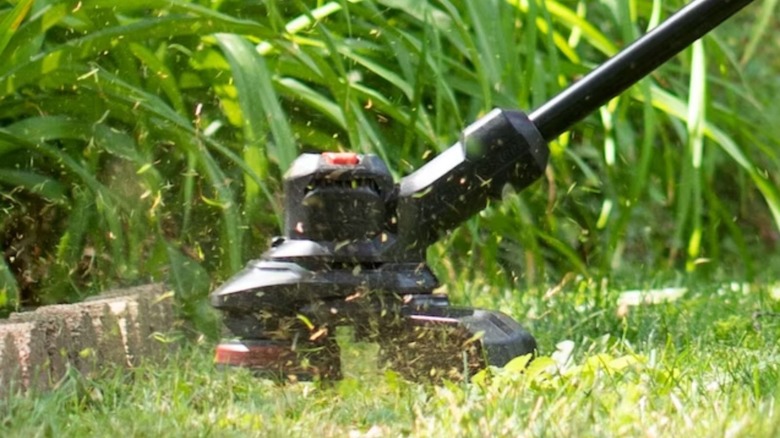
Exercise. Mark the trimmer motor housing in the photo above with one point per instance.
(353, 253)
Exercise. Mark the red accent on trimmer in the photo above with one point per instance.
(341, 158)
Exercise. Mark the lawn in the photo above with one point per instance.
(705, 364)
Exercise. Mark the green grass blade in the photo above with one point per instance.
(302, 22)
(563, 249)
(259, 102)
(30, 36)
(80, 222)
(99, 41)
(677, 108)
(384, 105)
(231, 225)
(590, 33)
(544, 25)
(380, 70)
(191, 283)
(171, 6)
(696, 116)
(59, 156)
(695, 120)
(9, 289)
(43, 186)
(188, 192)
(48, 128)
(160, 73)
(11, 22)
(760, 30)
(113, 141)
(426, 13)
(334, 75)
(472, 53)
(483, 21)
(296, 90)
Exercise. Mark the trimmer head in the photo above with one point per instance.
(353, 251)
(418, 347)
(420, 335)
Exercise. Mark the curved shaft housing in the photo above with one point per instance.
(503, 147)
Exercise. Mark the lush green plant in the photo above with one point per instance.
(145, 139)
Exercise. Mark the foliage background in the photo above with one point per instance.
(145, 140)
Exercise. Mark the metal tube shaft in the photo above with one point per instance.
(632, 64)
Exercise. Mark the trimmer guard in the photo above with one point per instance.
(285, 339)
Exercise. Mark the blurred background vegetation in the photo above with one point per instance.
(144, 140)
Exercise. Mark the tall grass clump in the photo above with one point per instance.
(145, 139)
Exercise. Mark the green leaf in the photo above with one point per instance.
(191, 284)
(259, 102)
(695, 122)
(189, 279)
(161, 74)
(29, 38)
(43, 186)
(570, 17)
(70, 246)
(66, 160)
(674, 106)
(296, 90)
(9, 290)
(760, 29)
(424, 12)
(48, 128)
(376, 68)
(10, 23)
(518, 364)
(104, 39)
(540, 367)
(303, 22)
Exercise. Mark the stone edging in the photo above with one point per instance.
(118, 328)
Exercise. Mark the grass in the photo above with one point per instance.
(703, 365)
(146, 140)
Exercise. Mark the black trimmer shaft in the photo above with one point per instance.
(632, 64)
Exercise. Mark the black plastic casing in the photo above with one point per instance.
(351, 218)
(351, 232)
(503, 147)
(327, 202)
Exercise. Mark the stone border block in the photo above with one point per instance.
(119, 328)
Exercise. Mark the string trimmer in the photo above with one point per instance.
(353, 251)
